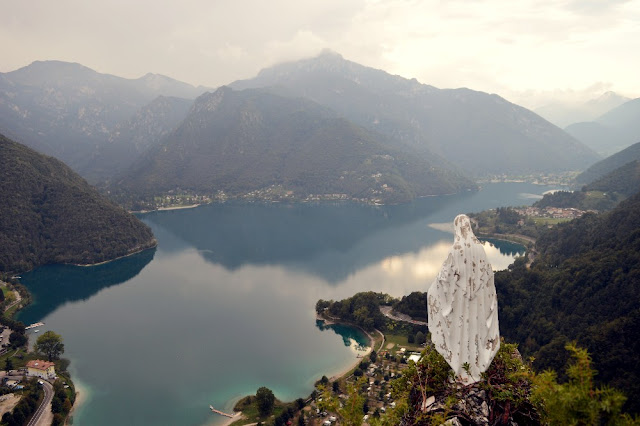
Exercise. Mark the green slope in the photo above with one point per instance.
(249, 140)
(584, 285)
(49, 214)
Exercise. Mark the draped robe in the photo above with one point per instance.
(462, 306)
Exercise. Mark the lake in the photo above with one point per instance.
(225, 304)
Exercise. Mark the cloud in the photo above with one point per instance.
(497, 46)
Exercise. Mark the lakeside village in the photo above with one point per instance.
(180, 198)
(361, 395)
(35, 387)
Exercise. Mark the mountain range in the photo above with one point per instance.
(481, 134)
(609, 164)
(250, 140)
(109, 129)
(612, 131)
(563, 114)
(72, 112)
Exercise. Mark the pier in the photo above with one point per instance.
(220, 412)
(38, 324)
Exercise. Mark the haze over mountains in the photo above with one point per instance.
(563, 114)
(110, 129)
(609, 164)
(71, 112)
(612, 131)
(242, 141)
(480, 133)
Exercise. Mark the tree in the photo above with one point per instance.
(578, 401)
(17, 339)
(50, 344)
(8, 365)
(420, 338)
(265, 400)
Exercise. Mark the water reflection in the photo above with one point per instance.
(331, 241)
(54, 285)
(351, 336)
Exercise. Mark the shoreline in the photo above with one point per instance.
(372, 341)
(191, 206)
(81, 399)
(104, 262)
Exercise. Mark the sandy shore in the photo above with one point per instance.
(178, 207)
(81, 398)
(351, 366)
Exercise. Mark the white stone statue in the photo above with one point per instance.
(463, 308)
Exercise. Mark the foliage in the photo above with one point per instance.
(351, 409)
(265, 401)
(50, 345)
(578, 401)
(414, 305)
(362, 309)
(60, 403)
(49, 214)
(589, 198)
(624, 180)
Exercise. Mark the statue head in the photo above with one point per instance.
(462, 227)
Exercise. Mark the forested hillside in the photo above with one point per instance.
(584, 285)
(251, 140)
(609, 164)
(49, 214)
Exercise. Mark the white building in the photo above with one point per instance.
(42, 369)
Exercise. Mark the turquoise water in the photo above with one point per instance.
(225, 304)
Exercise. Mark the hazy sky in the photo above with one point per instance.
(515, 48)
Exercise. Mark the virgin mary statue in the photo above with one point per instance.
(462, 306)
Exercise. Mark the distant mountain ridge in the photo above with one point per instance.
(134, 136)
(609, 164)
(480, 133)
(624, 180)
(70, 111)
(563, 114)
(612, 131)
(251, 140)
(49, 214)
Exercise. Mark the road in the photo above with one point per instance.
(386, 311)
(39, 418)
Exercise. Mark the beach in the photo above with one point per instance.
(81, 398)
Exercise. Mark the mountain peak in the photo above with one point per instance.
(328, 53)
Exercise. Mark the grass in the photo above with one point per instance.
(400, 340)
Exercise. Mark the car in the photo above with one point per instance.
(40, 382)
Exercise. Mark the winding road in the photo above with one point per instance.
(39, 419)
(386, 311)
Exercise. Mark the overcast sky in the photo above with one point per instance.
(520, 49)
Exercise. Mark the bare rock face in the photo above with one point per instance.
(463, 307)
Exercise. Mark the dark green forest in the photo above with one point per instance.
(49, 214)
